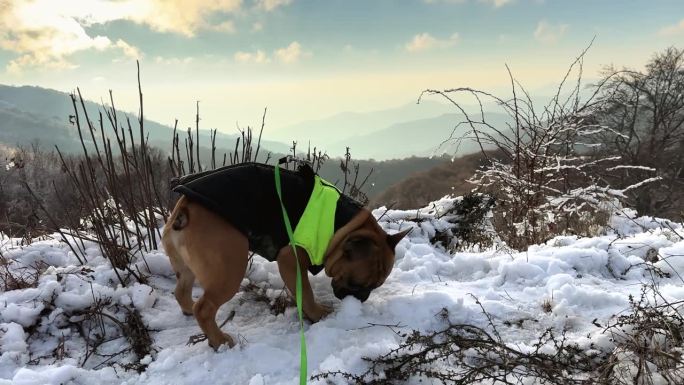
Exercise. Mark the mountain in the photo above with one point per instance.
(424, 186)
(30, 113)
(324, 132)
(18, 127)
(418, 137)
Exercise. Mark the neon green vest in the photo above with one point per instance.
(316, 227)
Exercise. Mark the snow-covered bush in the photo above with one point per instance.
(544, 176)
(645, 108)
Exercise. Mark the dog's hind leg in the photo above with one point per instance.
(217, 254)
(220, 284)
(184, 280)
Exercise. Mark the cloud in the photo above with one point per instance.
(287, 55)
(174, 61)
(257, 57)
(256, 27)
(269, 5)
(185, 17)
(672, 30)
(424, 42)
(548, 33)
(45, 33)
(290, 54)
(128, 50)
(227, 26)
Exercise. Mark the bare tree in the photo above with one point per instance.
(646, 111)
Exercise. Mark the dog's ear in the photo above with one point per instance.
(393, 240)
(359, 247)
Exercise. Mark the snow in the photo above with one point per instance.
(584, 279)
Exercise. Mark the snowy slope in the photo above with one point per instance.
(585, 279)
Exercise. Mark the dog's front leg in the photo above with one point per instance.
(287, 265)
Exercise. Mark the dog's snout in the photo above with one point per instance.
(360, 293)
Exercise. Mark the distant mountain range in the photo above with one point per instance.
(348, 124)
(409, 130)
(412, 133)
(31, 113)
(423, 137)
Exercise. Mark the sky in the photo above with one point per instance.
(309, 59)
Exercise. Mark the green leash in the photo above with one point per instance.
(298, 296)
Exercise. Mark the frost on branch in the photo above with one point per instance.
(548, 172)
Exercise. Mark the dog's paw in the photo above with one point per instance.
(225, 339)
(316, 312)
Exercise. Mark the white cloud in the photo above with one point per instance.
(257, 57)
(672, 30)
(256, 27)
(184, 17)
(548, 33)
(290, 54)
(174, 61)
(269, 5)
(424, 41)
(287, 55)
(45, 33)
(128, 50)
(227, 26)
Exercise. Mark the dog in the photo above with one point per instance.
(224, 214)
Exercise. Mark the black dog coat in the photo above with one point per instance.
(245, 195)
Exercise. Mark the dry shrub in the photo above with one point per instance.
(547, 180)
(20, 214)
(18, 278)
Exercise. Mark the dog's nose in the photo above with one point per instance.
(340, 292)
(361, 294)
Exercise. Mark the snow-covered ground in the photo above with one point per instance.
(584, 279)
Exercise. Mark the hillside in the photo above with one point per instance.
(419, 188)
(385, 173)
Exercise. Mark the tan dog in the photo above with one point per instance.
(202, 244)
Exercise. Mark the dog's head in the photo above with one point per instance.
(362, 260)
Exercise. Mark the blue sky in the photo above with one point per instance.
(307, 59)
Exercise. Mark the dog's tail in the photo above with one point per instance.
(180, 216)
(181, 219)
